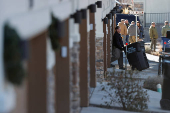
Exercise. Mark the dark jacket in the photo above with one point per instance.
(117, 41)
(127, 25)
(141, 32)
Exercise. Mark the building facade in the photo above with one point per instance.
(57, 81)
(154, 11)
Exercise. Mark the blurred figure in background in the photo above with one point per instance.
(123, 29)
(132, 32)
(127, 25)
(141, 31)
(165, 28)
(153, 35)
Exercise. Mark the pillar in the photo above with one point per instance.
(84, 76)
(105, 48)
(114, 23)
(92, 52)
(37, 75)
(108, 44)
(63, 77)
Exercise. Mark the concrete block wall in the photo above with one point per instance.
(74, 75)
(99, 59)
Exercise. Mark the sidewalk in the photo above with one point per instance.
(102, 110)
(153, 66)
(155, 97)
(96, 101)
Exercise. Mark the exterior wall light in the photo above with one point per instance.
(109, 16)
(84, 13)
(99, 4)
(61, 29)
(105, 20)
(77, 17)
(113, 12)
(92, 8)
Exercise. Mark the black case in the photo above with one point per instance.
(136, 56)
(168, 34)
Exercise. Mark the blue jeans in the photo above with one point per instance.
(124, 39)
(127, 38)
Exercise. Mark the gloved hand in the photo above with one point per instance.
(124, 49)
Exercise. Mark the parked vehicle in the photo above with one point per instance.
(129, 17)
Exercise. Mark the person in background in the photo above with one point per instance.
(123, 29)
(132, 32)
(153, 35)
(117, 47)
(127, 25)
(141, 31)
(165, 28)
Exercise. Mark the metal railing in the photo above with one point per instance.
(158, 18)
